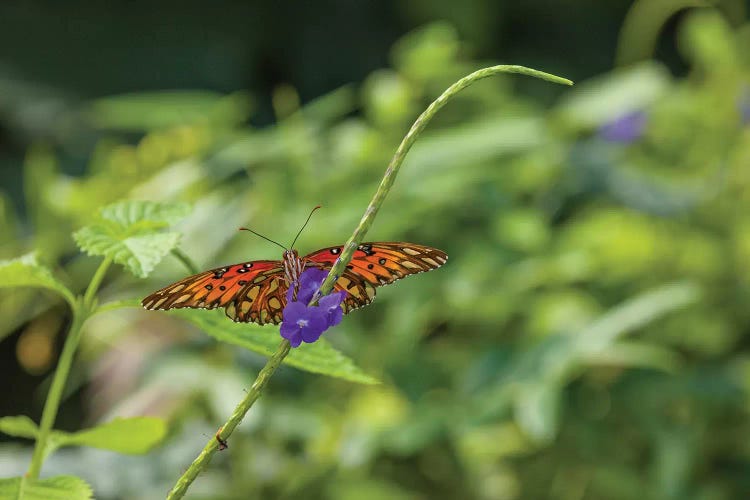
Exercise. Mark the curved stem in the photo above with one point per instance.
(96, 281)
(117, 304)
(180, 488)
(351, 245)
(642, 25)
(408, 141)
(81, 312)
(185, 260)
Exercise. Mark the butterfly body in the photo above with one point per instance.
(255, 291)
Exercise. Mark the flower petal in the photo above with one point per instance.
(290, 328)
(316, 325)
(292, 333)
(304, 323)
(332, 305)
(312, 276)
(293, 312)
(309, 283)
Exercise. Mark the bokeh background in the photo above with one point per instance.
(588, 338)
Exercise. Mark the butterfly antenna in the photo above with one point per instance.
(304, 225)
(267, 239)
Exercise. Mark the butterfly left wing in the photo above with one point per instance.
(374, 265)
(249, 292)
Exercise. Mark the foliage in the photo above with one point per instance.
(585, 340)
(54, 488)
(132, 435)
(316, 358)
(27, 271)
(125, 233)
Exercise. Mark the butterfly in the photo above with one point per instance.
(255, 291)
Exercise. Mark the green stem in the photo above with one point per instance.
(408, 141)
(117, 304)
(81, 312)
(180, 488)
(96, 281)
(351, 245)
(642, 25)
(185, 260)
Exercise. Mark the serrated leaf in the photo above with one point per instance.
(128, 233)
(319, 357)
(27, 271)
(131, 436)
(19, 426)
(139, 253)
(53, 488)
(132, 212)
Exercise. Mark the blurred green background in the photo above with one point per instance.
(588, 337)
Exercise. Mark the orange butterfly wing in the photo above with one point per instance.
(249, 292)
(376, 264)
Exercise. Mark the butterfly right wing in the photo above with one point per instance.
(376, 264)
(249, 292)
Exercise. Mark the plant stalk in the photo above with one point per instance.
(81, 312)
(180, 488)
(185, 260)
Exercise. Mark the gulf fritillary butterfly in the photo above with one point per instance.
(256, 291)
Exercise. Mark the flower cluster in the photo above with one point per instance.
(307, 323)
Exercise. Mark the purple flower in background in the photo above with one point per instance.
(303, 323)
(625, 128)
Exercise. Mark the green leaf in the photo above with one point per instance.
(634, 313)
(132, 436)
(53, 488)
(559, 358)
(127, 232)
(636, 354)
(319, 357)
(139, 253)
(537, 410)
(118, 304)
(19, 426)
(132, 212)
(27, 271)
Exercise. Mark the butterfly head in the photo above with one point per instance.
(291, 255)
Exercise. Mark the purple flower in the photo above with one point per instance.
(303, 323)
(331, 304)
(309, 283)
(625, 128)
